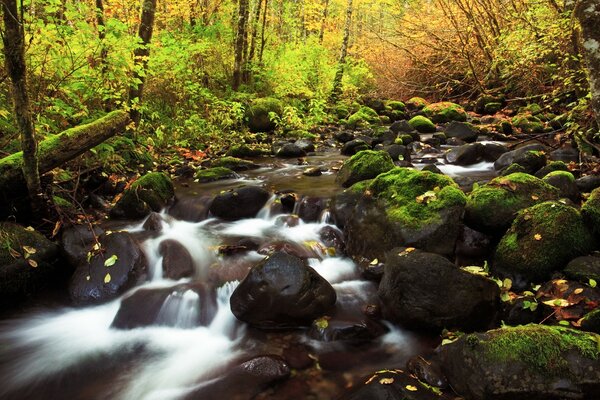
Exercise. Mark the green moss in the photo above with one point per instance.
(513, 168)
(62, 203)
(415, 198)
(151, 192)
(366, 164)
(528, 123)
(542, 239)
(395, 105)
(492, 207)
(14, 237)
(565, 174)
(492, 108)
(591, 211)
(258, 114)
(422, 124)
(243, 150)
(532, 108)
(417, 103)
(542, 348)
(363, 117)
(214, 174)
(445, 112)
(233, 163)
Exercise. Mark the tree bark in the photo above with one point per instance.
(141, 54)
(588, 14)
(337, 81)
(14, 54)
(263, 39)
(255, 22)
(323, 21)
(240, 41)
(58, 149)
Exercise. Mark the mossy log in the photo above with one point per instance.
(58, 149)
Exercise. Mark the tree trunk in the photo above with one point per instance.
(141, 54)
(14, 54)
(263, 39)
(240, 41)
(255, 22)
(58, 149)
(588, 14)
(323, 21)
(337, 81)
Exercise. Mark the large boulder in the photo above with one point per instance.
(466, 154)
(512, 156)
(214, 174)
(192, 209)
(532, 362)
(234, 164)
(282, 291)
(583, 269)
(366, 164)
(422, 124)
(565, 182)
(445, 111)
(528, 123)
(363, 117)
(260, 114)
(115, 266)
(461, 130)
(425, 290)
(244, 202)
(542, 239)
(28, 263)
(151, 192)
(288, 150)
(177, 261)
(492, 207)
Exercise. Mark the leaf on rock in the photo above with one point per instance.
(107, 278)
(32, 262)
(411, 388)
(110, 261)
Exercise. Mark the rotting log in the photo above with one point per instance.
(58, 149)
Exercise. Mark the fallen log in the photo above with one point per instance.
(55, 150)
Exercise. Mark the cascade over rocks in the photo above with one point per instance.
(244, 202)
(282, 291)
(425, 290)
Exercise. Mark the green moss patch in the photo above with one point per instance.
(422, 124)
(366, 164)
(528, 123)
(591, 211)
(260, 114)
(416, 103)
(214, 174)
(445, 112)
(363, 117)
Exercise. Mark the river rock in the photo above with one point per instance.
(214, 174)
(234, 164)
(77, 240)
(565, 154)
(550, 167)
(427, 371)
(312, 171)
(344, 136)
(425, 290)
(473, 247)
(151, 192)
(191, 209)
(306, 145)
(182, 306)
(398, 152)
(310, 208)
(465, 155)
(565, 183)
(392, 384)
(333, 238)
(94, 282)
(583, 269)
(520, 154)
(591, 211)
(445, 111)
(366, 164)
(461, 130)
(291, 248)
(20, 277)
(288, 150)
(282, 292)
(244, 202)
(524, 363)
(402, 127)
(177, 261)
(588, 183)
(354, 146)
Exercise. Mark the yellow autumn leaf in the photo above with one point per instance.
(537, 236)
(386, 381)
(534, 197)
(411, 388)
(107, 278)
(578, 291)
(374, 262)
(32, 262)
(29, 249)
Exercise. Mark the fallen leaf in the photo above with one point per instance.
(107, 278)
(14, 253)
(374, 262)
(110, 261)
(32, 262)
(30, 229)
(534, 197)
(411, 388)
(537, 236)
(386, 381)
(578, 291)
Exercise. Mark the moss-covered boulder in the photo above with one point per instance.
(366, 164)
(583, 269)
(528, 123)
(524, 363)
(27, 263)
(246, 151)
(395, 105)
(591, 211)
(405, 207)
(422, 124)
(234, 164)
(416, 103)
(550, 167)
(491, 208)
(151, 192)
(214, 174)
(365, 116)
(445, 111)
(564, 181)
(489, 104)
(542, 239)
(260, 114)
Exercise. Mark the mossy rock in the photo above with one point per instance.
(542, 239)
(524, 362)
(366, 164)
(532, 108)
(245, 151)
(491, 208)
(395, 105)
(258, 114)
(564, 181)
(416, 103)
(591, 211)
(214, 174)
(149, 193)
(492, 108)
(551, 166)
(300, 134)
(528, 124)
(422, 124)
(365, 116)
(445, 111)
(591, 321)
(234, 164)
(514, 168)
(341, 111)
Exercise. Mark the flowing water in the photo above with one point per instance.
(75, 353)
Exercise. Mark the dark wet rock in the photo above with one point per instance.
(398, 152)
(28, 263)
(455, 142)
(524, 363)
(234, 164)
(245, 151)
(491, 208)
(153, 223)
(287, 220)
(462, 130)
(288, 202)
(94, 282)
(244, 202)
(518, 312)
(151, 192)
(402, 127)
(551, 167)
(492, 151)
(565, 154)
(344, 136)
(565, 182)
(392, 384)
(333, 238)
(177, 261)
(427, 371)
(588, 183)
(192, 209)
(580, 298)
(310, 208)
(519, 154)
(473, 247)
(282, 292)
(297, 356)
(291, 248)
(481, 105)
(432, 168)
(214, 174)
(244, 381)
(355, 332)
(366, 164)
(386, 138)
(288, 150)
(591, 321)
(305, 145)
(583, 269)
(541, 240)
(181, 306)
(591, 211)
(354, 146)
(313, 171)
(77, 240)
(465, 155)
(425, 290)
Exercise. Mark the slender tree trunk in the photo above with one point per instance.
(240, 39)
(323, 21)
(588, 14)
(14, 54)
(263, 39)
(255, 22)
(141, 54)
(337, 81)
